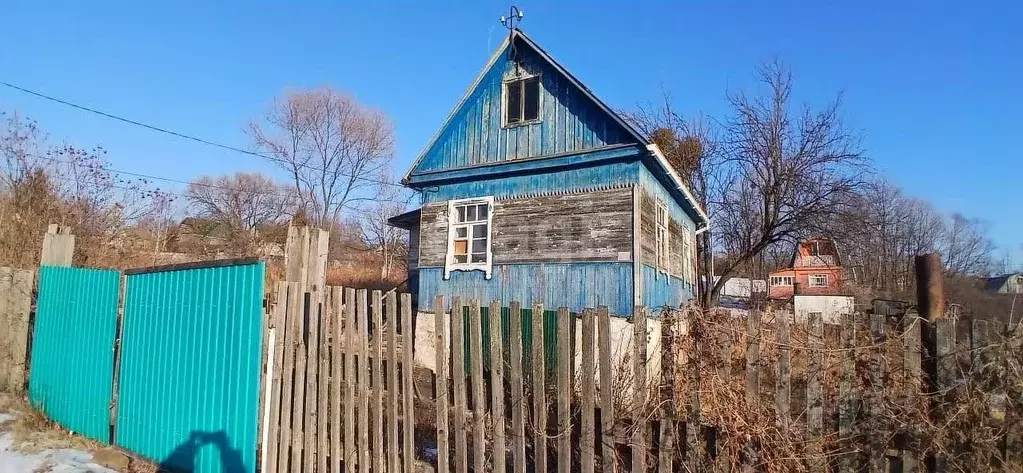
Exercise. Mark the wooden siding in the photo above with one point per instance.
(660, 290)
(592, 226)
(616, 174)
(573, 285)
(569, 121)
(677, 223)
(648, 228)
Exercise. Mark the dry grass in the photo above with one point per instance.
(33, 432)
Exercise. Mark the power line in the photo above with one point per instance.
(181, 135)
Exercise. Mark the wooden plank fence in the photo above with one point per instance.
(341, 388)
(762, 393)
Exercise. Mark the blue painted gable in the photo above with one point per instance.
(571, 121)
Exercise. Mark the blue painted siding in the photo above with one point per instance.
(569, 121)
(573, 285)
(607, 175)
(661, 290)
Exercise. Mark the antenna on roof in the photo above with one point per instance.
(511, 22)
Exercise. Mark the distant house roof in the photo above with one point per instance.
(660, 163)
(996, 283)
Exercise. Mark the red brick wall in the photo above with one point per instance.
(835, 275)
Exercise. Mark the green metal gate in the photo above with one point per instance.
(188, 394)
(72, 364)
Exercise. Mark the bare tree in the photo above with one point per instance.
(333, 148)
(691, 148)
(788, 172)
(965, 246)
(243, 201)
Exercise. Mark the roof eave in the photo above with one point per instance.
(677, 181)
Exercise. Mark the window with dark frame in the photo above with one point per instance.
(522, 100)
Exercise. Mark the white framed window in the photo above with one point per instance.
(522, 101)
(818, 280)
(663, 238)
(815, 248)
(692, 255)
(470, 224)
(782, 280)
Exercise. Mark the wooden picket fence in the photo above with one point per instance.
(507, 405)
(341, 384)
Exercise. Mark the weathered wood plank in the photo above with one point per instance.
(518, 401)
(666, 435)
(336, 374)
(281, 346)
(846, 403)
(753, 357)
(497, 386)
(639, 399)
(814, 392)
(362, 328)
(15, 307)
(546, 228)
(326, 315)
(565, 362)
(587, 390)
(607, 414)
(696, 451)
(479, 403)
(351, 350)
(538, 362)
(391, 332)
(440, 327)
(407, 410)
(878, 462)
(910, 327)
(782, 383)
(312, 378)
(298, 400)
(458, 382)
(376, 424)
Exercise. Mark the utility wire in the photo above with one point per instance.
(181, 135)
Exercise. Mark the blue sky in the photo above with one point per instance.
(934, 88)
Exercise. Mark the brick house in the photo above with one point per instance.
(816, 269)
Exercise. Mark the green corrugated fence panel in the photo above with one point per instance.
(188, 395)
(550, 337)
(72, 364)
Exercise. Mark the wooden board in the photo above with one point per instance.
(565, 362)
(336, 373)
(515, 378)
(298, 398)
(539, 388)
(607, 414)
(479, 403)
(497, 386)
(440, 328)
(814, 392)
(458, 384)
(587, 390)
(391, 332)
(362, 380)
(639, 397)
(15, 305)
(407, 410)
(351, 350)
(274, 426)
(376, 392)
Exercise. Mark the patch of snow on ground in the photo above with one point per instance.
(58, 461)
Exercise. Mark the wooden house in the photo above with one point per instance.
(534, 190)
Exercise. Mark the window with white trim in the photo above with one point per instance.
(782, 280)
(663, 240)
(470, 222)
(818, 280)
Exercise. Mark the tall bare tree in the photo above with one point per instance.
(965, 246)
(243, 201)
(788, 171)
(334, 149)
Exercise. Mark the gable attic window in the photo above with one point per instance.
(470, 222)
(818, 280)
(522, 101)
(663, 250)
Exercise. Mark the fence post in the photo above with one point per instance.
(273, 427)
(538, 362)
(336, 366)
(312, 377)
(407, 409)
(877, 376)
(362, 328)
(375, 330)
(814, 391)
(391, 332)
(846, 403)
(910, 328)
(587, 390)
(58, 246)
(351, 341)
(518, 407)
(458, 382)
(931, 300)
(607, 415)
(565, 363)
(666, 436)
(782, 396)
(479, 403)
(696, 453)
(639, 390)
(497, 385)
(753, 323)
(442, 359)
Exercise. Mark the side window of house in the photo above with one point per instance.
(782, 280)
(663, 250)
(469, 233)
(818, 280)
(522, 100)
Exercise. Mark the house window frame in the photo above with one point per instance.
(782, 280)
(662, 229)
(522, 101)
(449, 261)
(819, 277)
